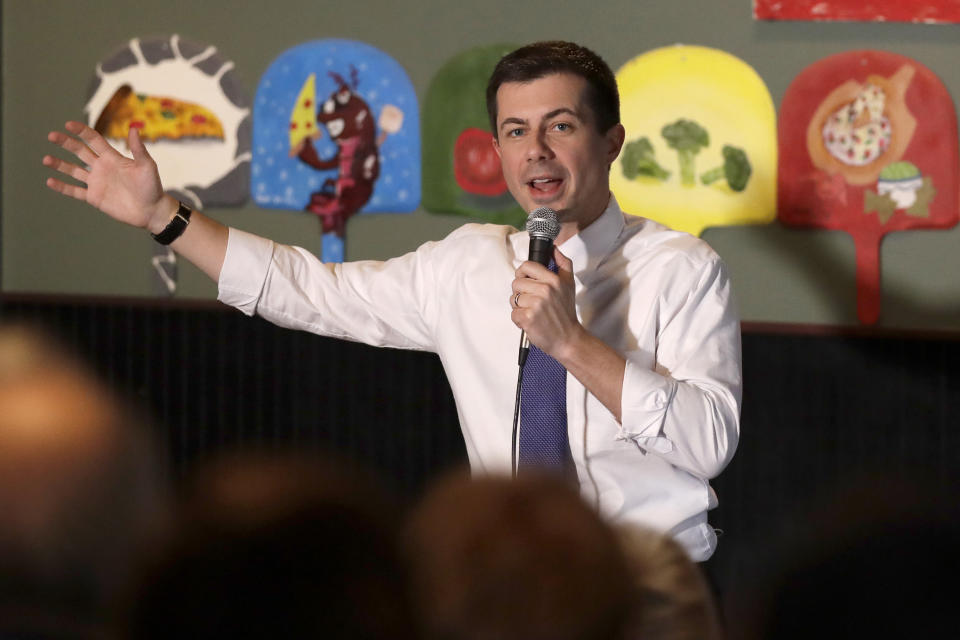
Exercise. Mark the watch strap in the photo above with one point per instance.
(175, 227)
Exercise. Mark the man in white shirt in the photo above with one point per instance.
(640, 316)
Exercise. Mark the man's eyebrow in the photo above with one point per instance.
(507, 121)
(557, 112)
(552, 114)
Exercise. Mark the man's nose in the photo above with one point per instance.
(538, 148)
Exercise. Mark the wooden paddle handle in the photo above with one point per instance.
(868, 278)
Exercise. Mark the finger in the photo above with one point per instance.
(72, 190)
(529, 286)
(135, 144)
(520, 317)
(93, 139)
(520, 299)
(73, 145)
(68, 168)
(564, 266)
(533, 270)
(563, 262)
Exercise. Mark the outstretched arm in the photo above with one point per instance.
(129, 190)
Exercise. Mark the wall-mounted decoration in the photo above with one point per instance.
(927, 11)
(701, 144)
(192, 113)
(868, 145)
(461, 169)
(336, 131)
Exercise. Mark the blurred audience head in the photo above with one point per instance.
(275, 545)
(78, 485)
(674, 601)
(496, 558)
(877, 558)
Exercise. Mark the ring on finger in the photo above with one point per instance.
(516, 300)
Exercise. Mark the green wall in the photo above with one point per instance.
(53, 245)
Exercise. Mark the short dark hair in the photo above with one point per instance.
(541, 59)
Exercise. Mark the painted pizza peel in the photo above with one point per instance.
(336, 132)
(461, 169)
(701, 146)
(868, 145)
(192, 113)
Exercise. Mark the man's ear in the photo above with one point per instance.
(615, 137)
(496, 146)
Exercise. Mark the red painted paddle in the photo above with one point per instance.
(867, 145)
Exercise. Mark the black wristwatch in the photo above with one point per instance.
(176, 226)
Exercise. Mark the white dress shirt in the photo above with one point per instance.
(661, 298)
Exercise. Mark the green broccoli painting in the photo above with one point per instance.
(638, 160)
(687, 138)
(736, 169)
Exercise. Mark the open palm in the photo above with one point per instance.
(128, 190)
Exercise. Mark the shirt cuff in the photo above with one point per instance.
(645, 399)
(244, 270)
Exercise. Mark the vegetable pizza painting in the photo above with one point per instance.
(461, 169)
(701, 145)
(868, 145)
(336, 132)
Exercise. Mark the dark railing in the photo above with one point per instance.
(820, 407)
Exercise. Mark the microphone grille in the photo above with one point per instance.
(543, 223)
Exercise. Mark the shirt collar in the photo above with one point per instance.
(591, 245)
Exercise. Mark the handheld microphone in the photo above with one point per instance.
(543, 227)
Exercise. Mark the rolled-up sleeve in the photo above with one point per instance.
(687, 409)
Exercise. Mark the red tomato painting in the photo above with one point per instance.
(476, 165)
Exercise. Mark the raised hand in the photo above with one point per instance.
(128, 190)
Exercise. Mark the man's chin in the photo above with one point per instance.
(557, 204)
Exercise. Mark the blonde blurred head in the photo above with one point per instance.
(674, 600)
(78, 482)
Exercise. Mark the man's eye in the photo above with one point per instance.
(562, 126)
(515, 133)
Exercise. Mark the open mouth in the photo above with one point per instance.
(545, 186)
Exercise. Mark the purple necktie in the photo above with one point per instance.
(543, 412)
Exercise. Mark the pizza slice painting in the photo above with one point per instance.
(303, 118)
(155, 117)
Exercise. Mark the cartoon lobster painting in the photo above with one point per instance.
(349, 122)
